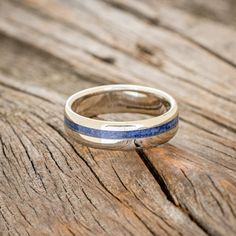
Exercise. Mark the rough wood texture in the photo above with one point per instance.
(50, 49)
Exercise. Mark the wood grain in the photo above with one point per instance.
(50, 186)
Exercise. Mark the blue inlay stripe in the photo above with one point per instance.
(109, 134)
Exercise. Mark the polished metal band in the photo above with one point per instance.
(85, 110)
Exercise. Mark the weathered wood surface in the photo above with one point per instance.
(50, 49)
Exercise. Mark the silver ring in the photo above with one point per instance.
(85, 112)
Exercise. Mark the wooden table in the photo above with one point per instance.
(51, 49)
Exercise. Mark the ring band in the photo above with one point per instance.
(84, 109)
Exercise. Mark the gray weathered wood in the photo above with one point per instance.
(48, 186)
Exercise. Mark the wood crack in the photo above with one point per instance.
(221, 194)
(54, 160)
(86, 195)
(29, 157)
(166, 191)
(145, 224)
(86, 163)
(122, 183)
(191, 183)
(156, 175)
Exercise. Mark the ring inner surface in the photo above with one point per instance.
(124, 105)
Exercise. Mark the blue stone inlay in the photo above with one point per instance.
(109, 134)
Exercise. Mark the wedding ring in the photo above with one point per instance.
(121, 117)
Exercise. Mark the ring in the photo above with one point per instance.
(121, 117)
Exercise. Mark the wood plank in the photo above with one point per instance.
(49, 187)
(154, 57)
(205, 191)
(215, 37)
(81, 54)
(155, 39)
(32, 70)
